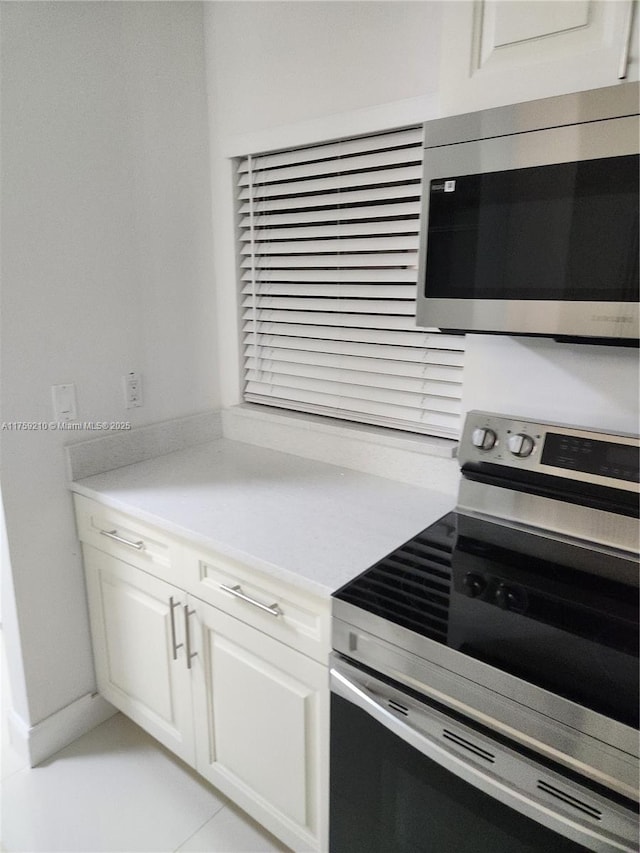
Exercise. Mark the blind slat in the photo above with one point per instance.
(350, 244)
(338, 230)
(352, 197)
(364, 290)
(330, 275)
(353, 391)
(390, 259)
(342, 148)
(270, 345)
(387, 336)
(429, 423)
(388, 211)
(379, 407)
(334, 182)
(284, 371)
(367, 321)
(287, 360)
(340, 305)
(259, 176)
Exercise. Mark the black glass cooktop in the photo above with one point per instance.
(554, 614)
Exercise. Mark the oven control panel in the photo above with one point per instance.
(560, 450)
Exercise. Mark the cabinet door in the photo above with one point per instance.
(261, 714)
(135, 630)
(503, 52)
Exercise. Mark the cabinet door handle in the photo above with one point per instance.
(175, 646)
(187, 636)
(236, 590)
(139, 545)
(626, 46)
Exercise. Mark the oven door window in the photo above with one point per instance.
(386, 796)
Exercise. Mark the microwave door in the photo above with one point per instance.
(533, 233)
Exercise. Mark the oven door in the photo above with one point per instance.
(412, 778)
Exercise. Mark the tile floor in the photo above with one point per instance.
(115, 789)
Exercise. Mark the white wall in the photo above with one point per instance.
(286, 62)
(106, 266)
(583, 385)
(321, 69)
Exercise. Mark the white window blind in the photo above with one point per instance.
(328, 258)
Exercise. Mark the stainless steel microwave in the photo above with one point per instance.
(529, 221)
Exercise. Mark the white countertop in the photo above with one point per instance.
(309, 523)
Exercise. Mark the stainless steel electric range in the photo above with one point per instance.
(485, 674)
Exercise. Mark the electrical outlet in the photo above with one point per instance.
(132, 390)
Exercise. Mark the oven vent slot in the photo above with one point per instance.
(396, 706)
(569, 800)
(467, 744)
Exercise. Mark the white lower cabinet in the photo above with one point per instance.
(262, 712)
(248, 711)
(133, 625)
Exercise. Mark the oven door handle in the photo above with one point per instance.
(541, 812)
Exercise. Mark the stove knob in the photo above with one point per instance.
(512, 598)
(521, 445)
(473, 585)
(509, 598)
(504, 597)
(483, 438)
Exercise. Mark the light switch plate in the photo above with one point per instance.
(65, 406)
(132, 390)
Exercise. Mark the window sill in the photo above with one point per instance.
(416, 459)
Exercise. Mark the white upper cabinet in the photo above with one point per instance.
(497, 52)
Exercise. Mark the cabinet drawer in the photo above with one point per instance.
(126, 538)
(284, 612)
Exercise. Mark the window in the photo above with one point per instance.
(328, 257)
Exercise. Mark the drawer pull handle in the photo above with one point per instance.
(187, 635)
(113, 535)
(236, 590)
(175, 646)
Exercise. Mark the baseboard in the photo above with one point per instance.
(37, 743)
